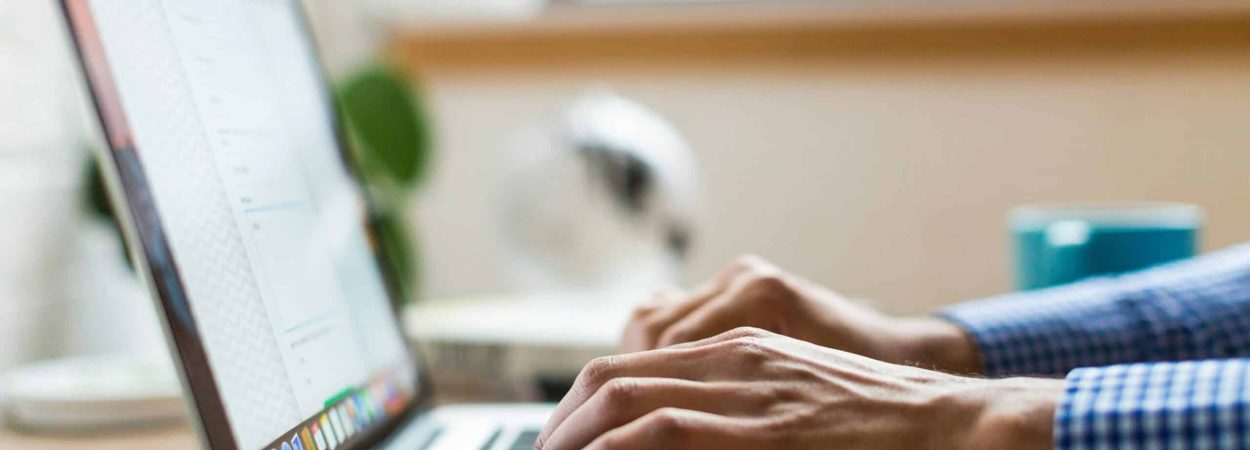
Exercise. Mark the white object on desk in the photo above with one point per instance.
(583, 320)
(509, 341)
(92, 393)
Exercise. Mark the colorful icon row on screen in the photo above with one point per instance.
(348, 417)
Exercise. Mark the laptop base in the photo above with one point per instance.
(473, 426)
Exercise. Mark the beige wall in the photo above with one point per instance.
(878, 162)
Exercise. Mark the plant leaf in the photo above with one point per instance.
(386, 117)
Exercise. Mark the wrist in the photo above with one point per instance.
(1015, 414)
(939, 344)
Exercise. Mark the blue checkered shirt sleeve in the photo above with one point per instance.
(1159, 321)
(1195, 309)
(1164, 406)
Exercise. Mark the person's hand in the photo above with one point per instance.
(751, 389)
(751, 292)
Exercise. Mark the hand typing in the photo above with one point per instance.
(752, 389)
(752, 292)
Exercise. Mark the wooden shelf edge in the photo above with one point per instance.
(739, 17)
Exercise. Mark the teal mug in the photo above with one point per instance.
(1058, 244)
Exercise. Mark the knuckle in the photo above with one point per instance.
(746, 261)
(747, 332)
(769, 282)
(620, 393)
(753, 263)
(770, 290)
(749, 349)
(599, 370)
(667, 425)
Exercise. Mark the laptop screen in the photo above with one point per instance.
(224, 136)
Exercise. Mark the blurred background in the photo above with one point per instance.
(872, 146)
(875, 147)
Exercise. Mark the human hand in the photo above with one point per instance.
(751, 389)
(752, 292)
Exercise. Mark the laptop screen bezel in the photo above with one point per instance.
(149, 246)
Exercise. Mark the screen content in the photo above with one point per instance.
(224, 104)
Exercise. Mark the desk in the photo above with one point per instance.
(525, 342)
(172, 437)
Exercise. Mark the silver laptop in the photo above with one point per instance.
(227, 161)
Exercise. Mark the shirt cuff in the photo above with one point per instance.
(1185, 405)
(1048, 332)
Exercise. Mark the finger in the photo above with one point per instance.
(709, 290)
(736, 333)
(635, 338)
(737, 306)
(651, 325)
(686, 364)
(664, 296)
(624, 400)
(677, 429)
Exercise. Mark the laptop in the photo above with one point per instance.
(226, 159)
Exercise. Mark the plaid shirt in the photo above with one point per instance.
(1127, 346)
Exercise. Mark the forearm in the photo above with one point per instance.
(940, 345)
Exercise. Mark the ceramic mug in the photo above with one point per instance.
(1061, 243)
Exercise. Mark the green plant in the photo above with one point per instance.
(391, 145)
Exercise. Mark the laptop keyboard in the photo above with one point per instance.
(493, 437)
(525, 440)
(429, 441)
